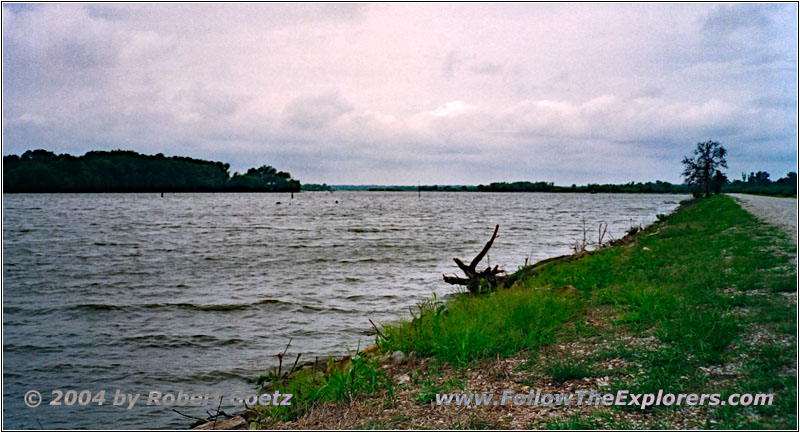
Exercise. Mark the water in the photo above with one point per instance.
(198, 292)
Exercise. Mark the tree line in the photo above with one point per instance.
(129, 171)
(759, 183)
(658, 187)
(521, 186)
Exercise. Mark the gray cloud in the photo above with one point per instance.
(399, 93)
(486, 68)
(734, 17)
(316, 112)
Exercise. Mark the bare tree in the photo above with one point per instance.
(698, 171)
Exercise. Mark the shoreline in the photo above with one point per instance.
(333, 363)
(412, 372)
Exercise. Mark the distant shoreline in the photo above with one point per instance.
(125, 171)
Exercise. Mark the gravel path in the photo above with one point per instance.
(778, 211)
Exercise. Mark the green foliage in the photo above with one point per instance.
(128, 171)
(705, 332)
(475, 327)
(361, 378)
(564, 370)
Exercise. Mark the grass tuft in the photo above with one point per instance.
(562, 371)
(473, 327)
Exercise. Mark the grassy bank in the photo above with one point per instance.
(702, 302)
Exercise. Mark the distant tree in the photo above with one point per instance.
(698, 171)
(718, 181)
(759, 178)
(790, 179)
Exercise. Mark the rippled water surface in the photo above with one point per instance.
(198, 292)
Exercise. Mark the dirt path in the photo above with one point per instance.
(779, 211)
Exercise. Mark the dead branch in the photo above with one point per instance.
(580, 247)
(190, 416)
(281, 355)
(295, 363)
(220, 404)
(378, 330)
(601, 233)
(494, 277)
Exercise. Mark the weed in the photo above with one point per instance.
(562, 371)
(361, 378)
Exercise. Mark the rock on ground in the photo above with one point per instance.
(397, 357)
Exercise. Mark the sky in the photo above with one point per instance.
(457, 93)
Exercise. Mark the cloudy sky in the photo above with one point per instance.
(401, 93)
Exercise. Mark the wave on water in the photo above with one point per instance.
(375, 229)
(179, 305)
(175, 341)
(216, 375)
(310, 308)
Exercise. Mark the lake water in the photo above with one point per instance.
(199, 292)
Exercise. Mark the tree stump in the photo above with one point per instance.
(477, 282)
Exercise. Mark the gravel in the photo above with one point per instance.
(778, 211)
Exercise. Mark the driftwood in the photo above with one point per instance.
(213, 422)
(476, 281)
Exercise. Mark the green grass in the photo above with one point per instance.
(362, 377)
(472, 328)
(562, 371)
(706, 261)
(430, 383)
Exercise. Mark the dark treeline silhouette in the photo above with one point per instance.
(759, 183)
(754, 184)
(527, 186)
(128, 171)
(630, 187)
(315, 187)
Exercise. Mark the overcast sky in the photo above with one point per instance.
(401, 93)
